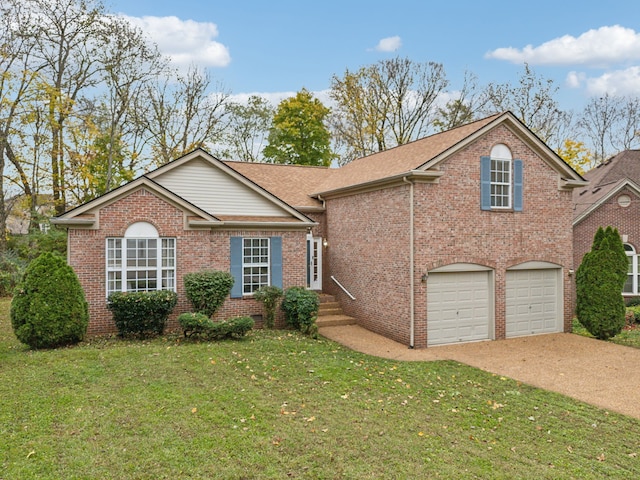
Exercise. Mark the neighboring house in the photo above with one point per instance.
(18, 209)
(612, 198)
(461, 236)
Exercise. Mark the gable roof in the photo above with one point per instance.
(209, 204)
(420, 158)
(606, 180)
(292, 183)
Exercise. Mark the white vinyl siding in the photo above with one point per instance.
(216, 192)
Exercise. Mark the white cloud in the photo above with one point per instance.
(389, 44)
(602, 47)
(185, 41)
(616, 83)
(575, 79)
(274, 98)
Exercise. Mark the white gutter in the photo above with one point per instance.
(412, 300)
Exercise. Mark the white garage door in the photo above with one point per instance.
(457, 307)
(533, 302)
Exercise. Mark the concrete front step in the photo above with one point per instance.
(334, 320)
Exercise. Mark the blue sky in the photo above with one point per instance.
(277, 47)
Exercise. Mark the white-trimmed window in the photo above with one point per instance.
(501, 180)
(141, 261)
(255, 264)
(632, 283)
(500, 177)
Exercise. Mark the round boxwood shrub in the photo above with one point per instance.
(49, 308)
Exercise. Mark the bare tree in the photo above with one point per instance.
(532, 100)
(612, 124)
(247, 129)
(385, 104)
(597, 123)
(183, 115)
(462, 106)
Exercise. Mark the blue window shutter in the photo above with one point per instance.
(517, 185)
(276, 261)
(236, 266)
(485, 183)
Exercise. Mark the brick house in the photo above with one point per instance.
(461, 236)
(612, 198)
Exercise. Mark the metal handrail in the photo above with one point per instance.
(343, 289)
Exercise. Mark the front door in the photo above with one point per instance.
(314, 263)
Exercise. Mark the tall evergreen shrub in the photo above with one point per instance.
(49, 308)
(599, 282)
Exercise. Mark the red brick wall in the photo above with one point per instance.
(368, 253)
(625, 219)
(369, 238)
(195, 249)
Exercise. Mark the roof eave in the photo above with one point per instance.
(73, 222)
(252, 225)
(428, 176)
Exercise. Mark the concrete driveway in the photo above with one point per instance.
(593, 371)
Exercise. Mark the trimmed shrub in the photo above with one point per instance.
(269, 295)
(207, 290)
(199, 325)
(599, 283)
(300, 308)
(633, 314)
(632, 301)
(141, 313)
(195, 324)
(49, 308)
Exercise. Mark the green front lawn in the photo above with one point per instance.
(279, 405)
(629, 336)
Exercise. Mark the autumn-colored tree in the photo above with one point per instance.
(299, 134)
(386, 104)
(577, 155)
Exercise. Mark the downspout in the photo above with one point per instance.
(411, 266)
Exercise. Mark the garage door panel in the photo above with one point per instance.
(457, 307)
(532, 302)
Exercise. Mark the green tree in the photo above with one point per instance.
(599, 283)
(299, 134)
(49, 308)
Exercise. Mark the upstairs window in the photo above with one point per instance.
(501, 180)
